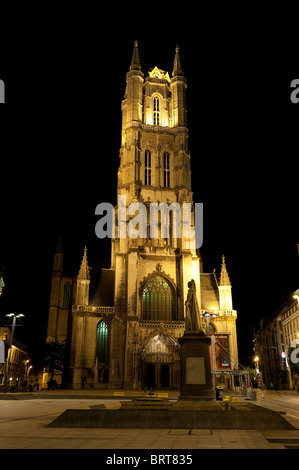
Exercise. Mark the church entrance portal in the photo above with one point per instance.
(161, 363)
(165, 376)
(150, 376)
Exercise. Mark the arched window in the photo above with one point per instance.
(102, 342)
(148, 168)
(67, 292)
(166, 161)
(156, 111)
(157, 300)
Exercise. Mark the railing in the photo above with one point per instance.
(162, 324)
(228, 313)
(89, 309)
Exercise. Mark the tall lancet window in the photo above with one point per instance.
(102, 341)
(148, 168)
(166, 170)
(156, 111)
(157, 300)
(67, 292)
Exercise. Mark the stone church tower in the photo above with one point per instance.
(126, 320)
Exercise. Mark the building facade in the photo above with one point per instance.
(274, 341)
(19, 359)
(122, 324)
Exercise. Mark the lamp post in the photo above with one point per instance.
(14, 317)
(208, 315)
(257, 370)
(256, 360)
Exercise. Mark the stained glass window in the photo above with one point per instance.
(102, 341)
(157, 300)
(67, 294)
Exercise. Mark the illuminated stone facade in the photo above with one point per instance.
(125, 332)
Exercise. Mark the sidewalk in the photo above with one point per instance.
(87, 394)
(128, 394)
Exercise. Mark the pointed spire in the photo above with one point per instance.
(135, 62)
(224, 277)
(177, 68)
(84, 269)
(59, 246)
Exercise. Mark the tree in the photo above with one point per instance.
(54, 357)
(252, 375)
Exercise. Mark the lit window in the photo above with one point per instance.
(157, 300)
(166, 170)
(156, 111)
(148, 168)
(102, 341)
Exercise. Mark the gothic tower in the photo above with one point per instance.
(152, 274)
(60, 299)
(126, 320)
(58, 330)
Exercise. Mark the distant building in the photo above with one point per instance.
(273, 341)
(121, 325)
(19, 356)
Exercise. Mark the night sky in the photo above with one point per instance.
(60, 141)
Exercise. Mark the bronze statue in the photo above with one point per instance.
(193, 319)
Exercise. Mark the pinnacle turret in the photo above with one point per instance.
(177, 68)
(224, 277)
(84, 269)
(135, 62)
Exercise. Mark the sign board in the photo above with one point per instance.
(2, 352)
(195, 371)
(222, 352)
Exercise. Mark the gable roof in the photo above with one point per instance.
(209, 292)
(101, 291)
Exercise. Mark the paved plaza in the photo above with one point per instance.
(23, 425)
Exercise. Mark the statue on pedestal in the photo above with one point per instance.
(193, 319)
(1, 280)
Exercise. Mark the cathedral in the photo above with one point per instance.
(120, 326)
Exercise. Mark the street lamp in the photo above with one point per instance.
(208, 315)
(257, 370)
(256, 360)
(14, 317)
(296, 295)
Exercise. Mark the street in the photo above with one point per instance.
(282, 401)
(23, 426)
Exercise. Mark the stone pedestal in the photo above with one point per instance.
(196, 378)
